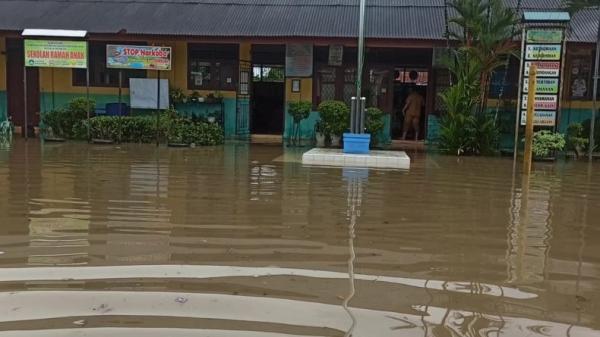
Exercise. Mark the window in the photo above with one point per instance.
(212, 66)
(100, 75)
(268, 73)
(336, 83)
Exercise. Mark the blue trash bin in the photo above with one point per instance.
(357, 143)
(112, 109)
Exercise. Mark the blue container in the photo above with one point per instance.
(357, 143)
(112, 109)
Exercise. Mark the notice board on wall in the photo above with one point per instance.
(144, 93)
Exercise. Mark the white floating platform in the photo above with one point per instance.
(375, 159)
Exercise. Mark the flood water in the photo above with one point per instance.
(243, 241)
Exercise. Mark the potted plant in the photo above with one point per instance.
(374, 123)
(299, 111)
(177, 96)
(213, 99)
(546, 143)
(196, 97)
(320, 133)
(6, 130)
(576, 141)
(212, 116)
(335, 115)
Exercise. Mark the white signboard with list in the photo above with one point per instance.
(544, 48)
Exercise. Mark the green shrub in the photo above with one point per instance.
(299, 110)
(374, 122)
(185, 131)
(576, 141)
(545, 142)
(335, 116)
(586, 131)
(67, 122)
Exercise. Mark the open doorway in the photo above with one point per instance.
(407, 80)
(268, 91)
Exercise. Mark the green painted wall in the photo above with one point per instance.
(230, 117)
(3, 106)
(507, 125)
(307, 127)
(50, 101)
(570, 116)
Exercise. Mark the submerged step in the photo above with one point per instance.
(375, 159)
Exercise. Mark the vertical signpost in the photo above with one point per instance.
(542, 54)
(140, 57)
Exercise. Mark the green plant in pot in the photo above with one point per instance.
(374, 124)
(576, 140)
(320, 133)
(177, 96)
(196, 97)
(336, 117)
(546, 142)
(299, 111)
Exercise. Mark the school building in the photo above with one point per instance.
(236, 49)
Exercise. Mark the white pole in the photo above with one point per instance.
(361, 49)
(361, 60)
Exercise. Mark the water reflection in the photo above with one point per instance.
(530, 232)
(354, 178)
(245, 241)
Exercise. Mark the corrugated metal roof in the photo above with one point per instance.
(401, 19)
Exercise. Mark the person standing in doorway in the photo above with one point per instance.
(412, 112)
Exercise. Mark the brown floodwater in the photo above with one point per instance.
(244, 241)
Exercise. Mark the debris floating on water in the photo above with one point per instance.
(181, 300)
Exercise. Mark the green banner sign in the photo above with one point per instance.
(56, 54)
(544, 36)
(138, 57)
(544, 85)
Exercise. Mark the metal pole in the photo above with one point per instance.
(595, 93)
(353, 107)
(361, 48)
(25, 121)
(120, 100)
(361, 112)
(158, 107)
(355, 117)
(529, 126)
(87, 92)
(519, 97)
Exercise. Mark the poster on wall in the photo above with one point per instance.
(580, 75)
(56, 54)
(544, 48)
(299, 60)
(138, 57)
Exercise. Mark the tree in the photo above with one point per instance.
(486, 42)
(575, 6)
(486, 29)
